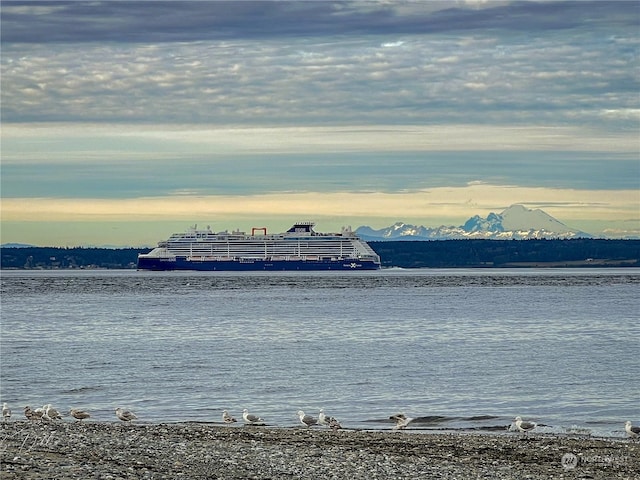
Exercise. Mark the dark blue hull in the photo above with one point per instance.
(159, 264)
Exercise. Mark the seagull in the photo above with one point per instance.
(306, 420)
(51, 413)
(249, 418)
(6, 412)
(632, 431)
(330, 422)
(227, 418)
(29, 413)
(322, 419)
(79, 414)
(33, 414)
(525, 426)
(401, 421)
(125, 415)
(334, 424)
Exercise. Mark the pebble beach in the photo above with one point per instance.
(93, 450)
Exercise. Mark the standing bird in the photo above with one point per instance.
(33, 414)
(322, 418)
(125, 415)
(6, 412)
(51, 413)
(334, 424)
(29, 413)
(330, 422)
(632, 431)
(306, 420)
(525, 426)
(249, 418)
(227, 418)
(401, 421)
(79, 414)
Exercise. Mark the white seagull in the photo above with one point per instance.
(6, 412)
(331, 422)
(525, 426)
(41, 414)
(125, 415)
(51, 413)
(322, 418)
(633, 432)
(306, 420)
(227, 418)
(249, 418)
(401, 421)
(79, 414)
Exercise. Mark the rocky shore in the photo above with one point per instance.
(34, 450)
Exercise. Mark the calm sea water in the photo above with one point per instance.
(463, 349)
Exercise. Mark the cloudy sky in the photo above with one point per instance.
(123, 122)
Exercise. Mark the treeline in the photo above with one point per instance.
(76, 257)
(418, 254)
(509, 253)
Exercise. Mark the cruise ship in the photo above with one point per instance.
(299, 248)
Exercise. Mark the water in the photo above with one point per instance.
(463, 349)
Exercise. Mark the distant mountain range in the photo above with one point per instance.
(515, 223)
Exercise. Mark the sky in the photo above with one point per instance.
(124, 122)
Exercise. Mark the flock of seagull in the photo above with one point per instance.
(306, 420)
(49, 413)
(523, 426)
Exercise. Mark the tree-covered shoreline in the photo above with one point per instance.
(403, 254)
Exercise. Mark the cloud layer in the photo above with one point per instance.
(321, 63)
(27, 21)
(175, 101)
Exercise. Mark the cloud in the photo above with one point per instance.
(572, 77)
(186, 21)
(415, 206)
(111, 161)
(220, 100)
(58, 140)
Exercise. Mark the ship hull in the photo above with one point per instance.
(257, 265)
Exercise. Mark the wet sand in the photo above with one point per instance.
(34, 450)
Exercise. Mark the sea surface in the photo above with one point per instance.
(460, 350)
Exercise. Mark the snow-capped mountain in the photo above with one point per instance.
(514, 223)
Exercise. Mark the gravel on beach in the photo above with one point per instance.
(60, 450)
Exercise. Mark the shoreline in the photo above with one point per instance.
(35, 450)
